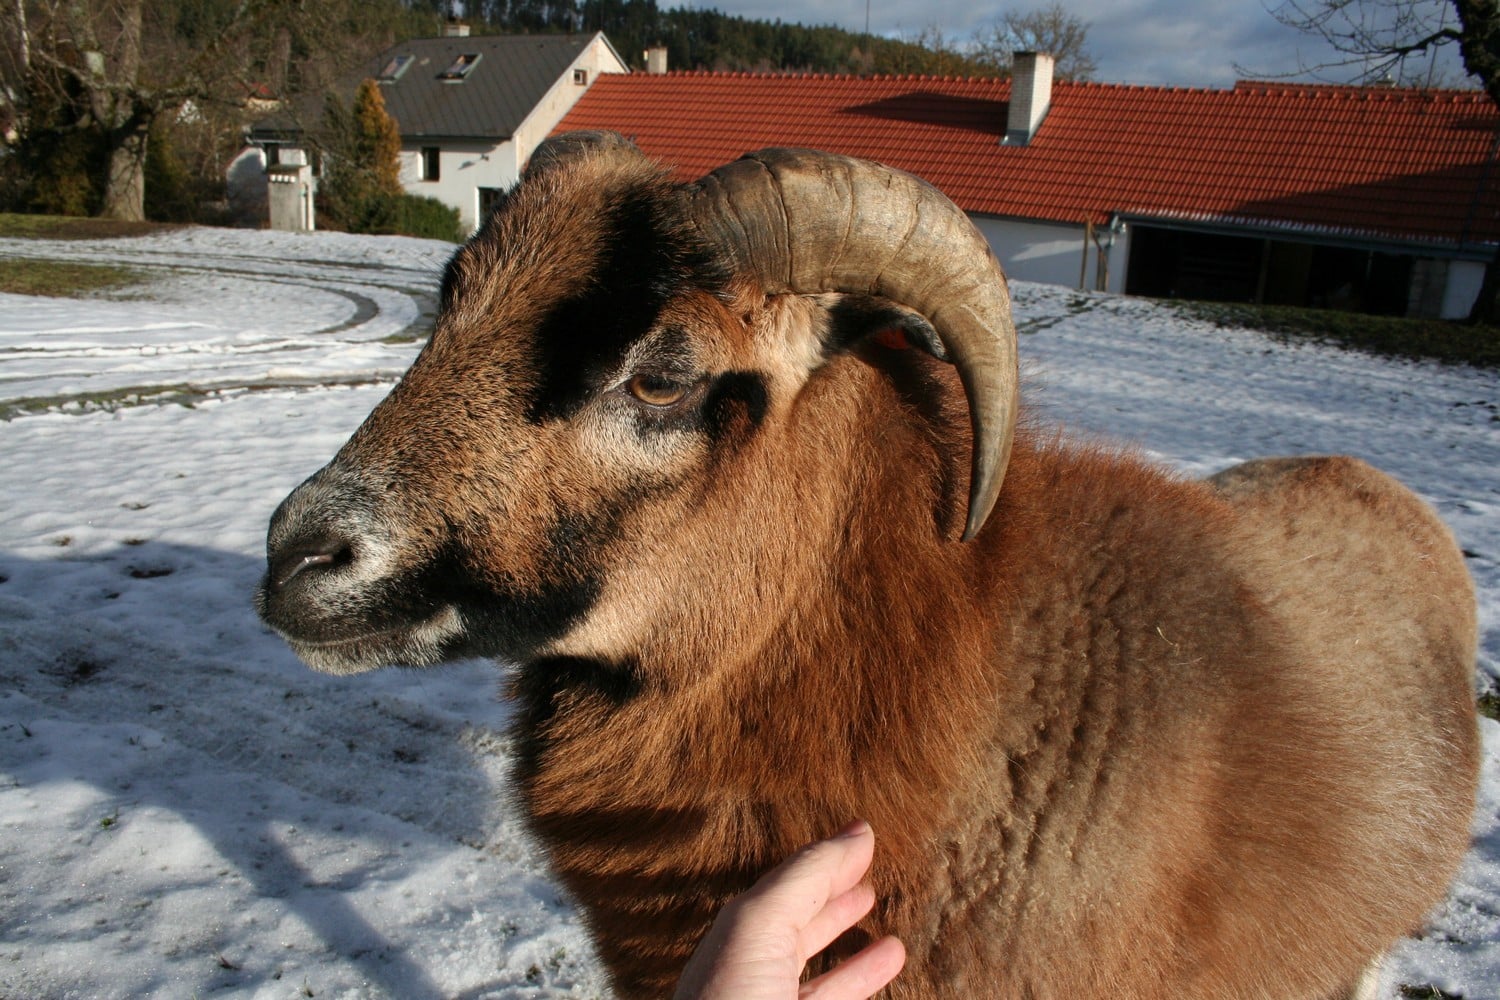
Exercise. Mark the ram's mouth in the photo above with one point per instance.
(420, 644)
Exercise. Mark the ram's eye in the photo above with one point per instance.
(656, 390)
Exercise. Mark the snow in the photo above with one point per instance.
(187, 810)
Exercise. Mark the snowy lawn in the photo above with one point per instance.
(186, 810)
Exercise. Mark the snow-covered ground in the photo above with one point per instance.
(186, 810)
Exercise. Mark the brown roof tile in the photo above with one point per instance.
(1399, 163)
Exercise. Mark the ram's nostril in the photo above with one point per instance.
(306, 557)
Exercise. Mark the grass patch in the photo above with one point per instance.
(1391, 336)
(1489, 704)
(68, 227)
(63, 279)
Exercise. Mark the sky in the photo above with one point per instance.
(1167, 42)
(186, 810)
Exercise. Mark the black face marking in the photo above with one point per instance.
(735, 404)
(548, 686)
(513, 624)
(516, 623)
(671, 354)
(647, 259)
(542, 680)
(580, 343)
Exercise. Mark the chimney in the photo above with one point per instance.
(454, 28)
(1030, 95)
(656, 60)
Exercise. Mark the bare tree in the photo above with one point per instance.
(119, 66)
(930, 51)
(15, 63)
(21, 39)
(1393, 41)
(1048, 29)
(100, 64)
(1379, 39)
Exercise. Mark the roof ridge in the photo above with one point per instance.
(460, 39)
(757, 74)
(1173, 88)
(1248, 87)
(1313, 88)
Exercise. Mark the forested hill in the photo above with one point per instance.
(697, 38)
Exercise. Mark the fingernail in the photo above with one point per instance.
(856, 829)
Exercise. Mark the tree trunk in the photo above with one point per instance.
(23, 42)
(125, 187)
(16, 62)
(128, 124)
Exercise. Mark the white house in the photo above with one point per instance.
(470, 108)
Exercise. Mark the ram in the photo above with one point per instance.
(735, 472)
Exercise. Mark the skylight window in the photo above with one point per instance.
(461, 67)
(395, 68)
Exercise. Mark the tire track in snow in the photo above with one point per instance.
(264, 321)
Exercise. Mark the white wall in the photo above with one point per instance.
(1053, 253)
(596, 59)
(292, 189)
(1464, 279)
(464, 168)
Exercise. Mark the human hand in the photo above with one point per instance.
(760, 942)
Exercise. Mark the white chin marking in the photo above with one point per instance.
(419, 645)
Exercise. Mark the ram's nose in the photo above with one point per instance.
(315, 539)
(306, 558)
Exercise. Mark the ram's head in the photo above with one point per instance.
(629, 388)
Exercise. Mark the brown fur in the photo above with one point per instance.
(1142, 738)
(1188, 783)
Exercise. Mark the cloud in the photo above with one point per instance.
(1177, 42)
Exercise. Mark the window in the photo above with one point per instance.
(395, 68)
(489, 199)
(273, 154)
(461, 67)
(581, 77)
(429, 164)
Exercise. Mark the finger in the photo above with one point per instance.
(841, 913)
(859, 977)
(797, 889)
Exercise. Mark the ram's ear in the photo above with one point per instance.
(899, 331)
(853, 319)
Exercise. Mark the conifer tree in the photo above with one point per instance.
(377, 139)
(362, 175)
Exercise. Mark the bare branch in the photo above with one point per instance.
(1371, 41)
(1050, 29)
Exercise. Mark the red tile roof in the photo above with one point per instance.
(1397, 163)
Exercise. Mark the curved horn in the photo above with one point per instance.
(808, 222)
